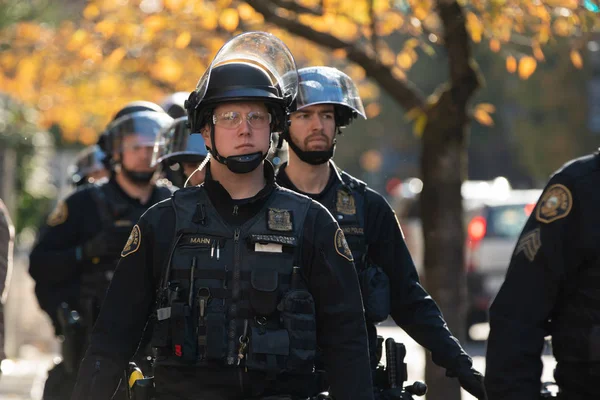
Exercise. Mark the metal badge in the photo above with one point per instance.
(280, 220)
(345, 203)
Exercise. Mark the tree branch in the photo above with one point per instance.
(297, 8)
(405, 93)
(464, 79)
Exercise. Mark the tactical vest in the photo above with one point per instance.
(346, 202)
(234, 296)
(575, 325)
(116, 214)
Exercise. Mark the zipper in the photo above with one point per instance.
(232, 356)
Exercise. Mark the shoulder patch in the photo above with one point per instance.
(529, 244)
(556, 203)
(341, 245)
(133, 242)
(59, 215)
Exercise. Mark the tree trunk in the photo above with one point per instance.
(443, 167)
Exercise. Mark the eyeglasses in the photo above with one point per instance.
(233, 119)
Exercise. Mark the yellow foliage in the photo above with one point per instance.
(562, 27)
(91, 11)
(113, 60)
(474, 26)
(576, 59)
(495, 45)
(373, 110)
(339, 54)
(78, 39)
(229, 19)
(155, 23)
(483, 117)
(511, 64)
(386, 56)
(167, 69)
(420, 124)
(183, 40)
(527, 66)
(106, 28)
(404, 61)
(174, 5)
(537, 52)
(398, 74)
(246, 11)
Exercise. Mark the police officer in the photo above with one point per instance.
(244, 279)
(327, 101)
(552, 288)
(78, 249)
(176, 146)
(89, 166)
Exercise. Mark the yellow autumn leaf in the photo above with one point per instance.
(113, 60)
(77, 40)
(495, 45)
(167, 69)
(174, 5)
(511, 64)
(155, 22)
(183, 40)
(483, 117)
(538, 53)
(527, 66)
(246, 11)
(373, 110)
(420, 124)
(412, 113)
(404, 61)
(474, 26)
(576, 59)
(411, 43)
(487, 107)
(229, 19)
(339, 54)
(106, 28)
(398, 74)
(562, 27)
(91, 11)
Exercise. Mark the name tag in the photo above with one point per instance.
(268, 247)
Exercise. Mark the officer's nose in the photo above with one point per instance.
(317, 123)
(244, 128)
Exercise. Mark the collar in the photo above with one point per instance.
(334, 179)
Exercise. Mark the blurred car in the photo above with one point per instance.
(494, 215)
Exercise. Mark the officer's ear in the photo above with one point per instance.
(205, 131)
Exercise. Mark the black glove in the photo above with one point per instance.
(107, 243)
(472, 381)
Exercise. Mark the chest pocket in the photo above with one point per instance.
(282, 334)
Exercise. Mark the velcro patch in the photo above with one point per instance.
(280, 220)
(133, 242)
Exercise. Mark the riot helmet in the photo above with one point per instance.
(174, 104)
(325, 85)
(142, 127)
(253, 66)
(176, 144)
(88, 165)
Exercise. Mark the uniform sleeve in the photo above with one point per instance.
(122, 319)
(520, 312)
(54, 256)
(412, 308)
(341, 330)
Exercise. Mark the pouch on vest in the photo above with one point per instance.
(183, 332)
(298, 316)
(216, 332)
(375, 289)
(268, 349)
(264, 294)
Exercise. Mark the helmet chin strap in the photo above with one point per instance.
(309, 157)
(239, 164)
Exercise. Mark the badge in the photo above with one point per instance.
(341, 245)
(133, 242)
(268, 247)
(529, 244)
(345, 203)
(280, 220)
(556, 203)
(58, 215)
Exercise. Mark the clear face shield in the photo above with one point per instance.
(325, 85)
(136, 131)
(263, 50)
(176, 144)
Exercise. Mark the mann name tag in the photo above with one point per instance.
(268, 247)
